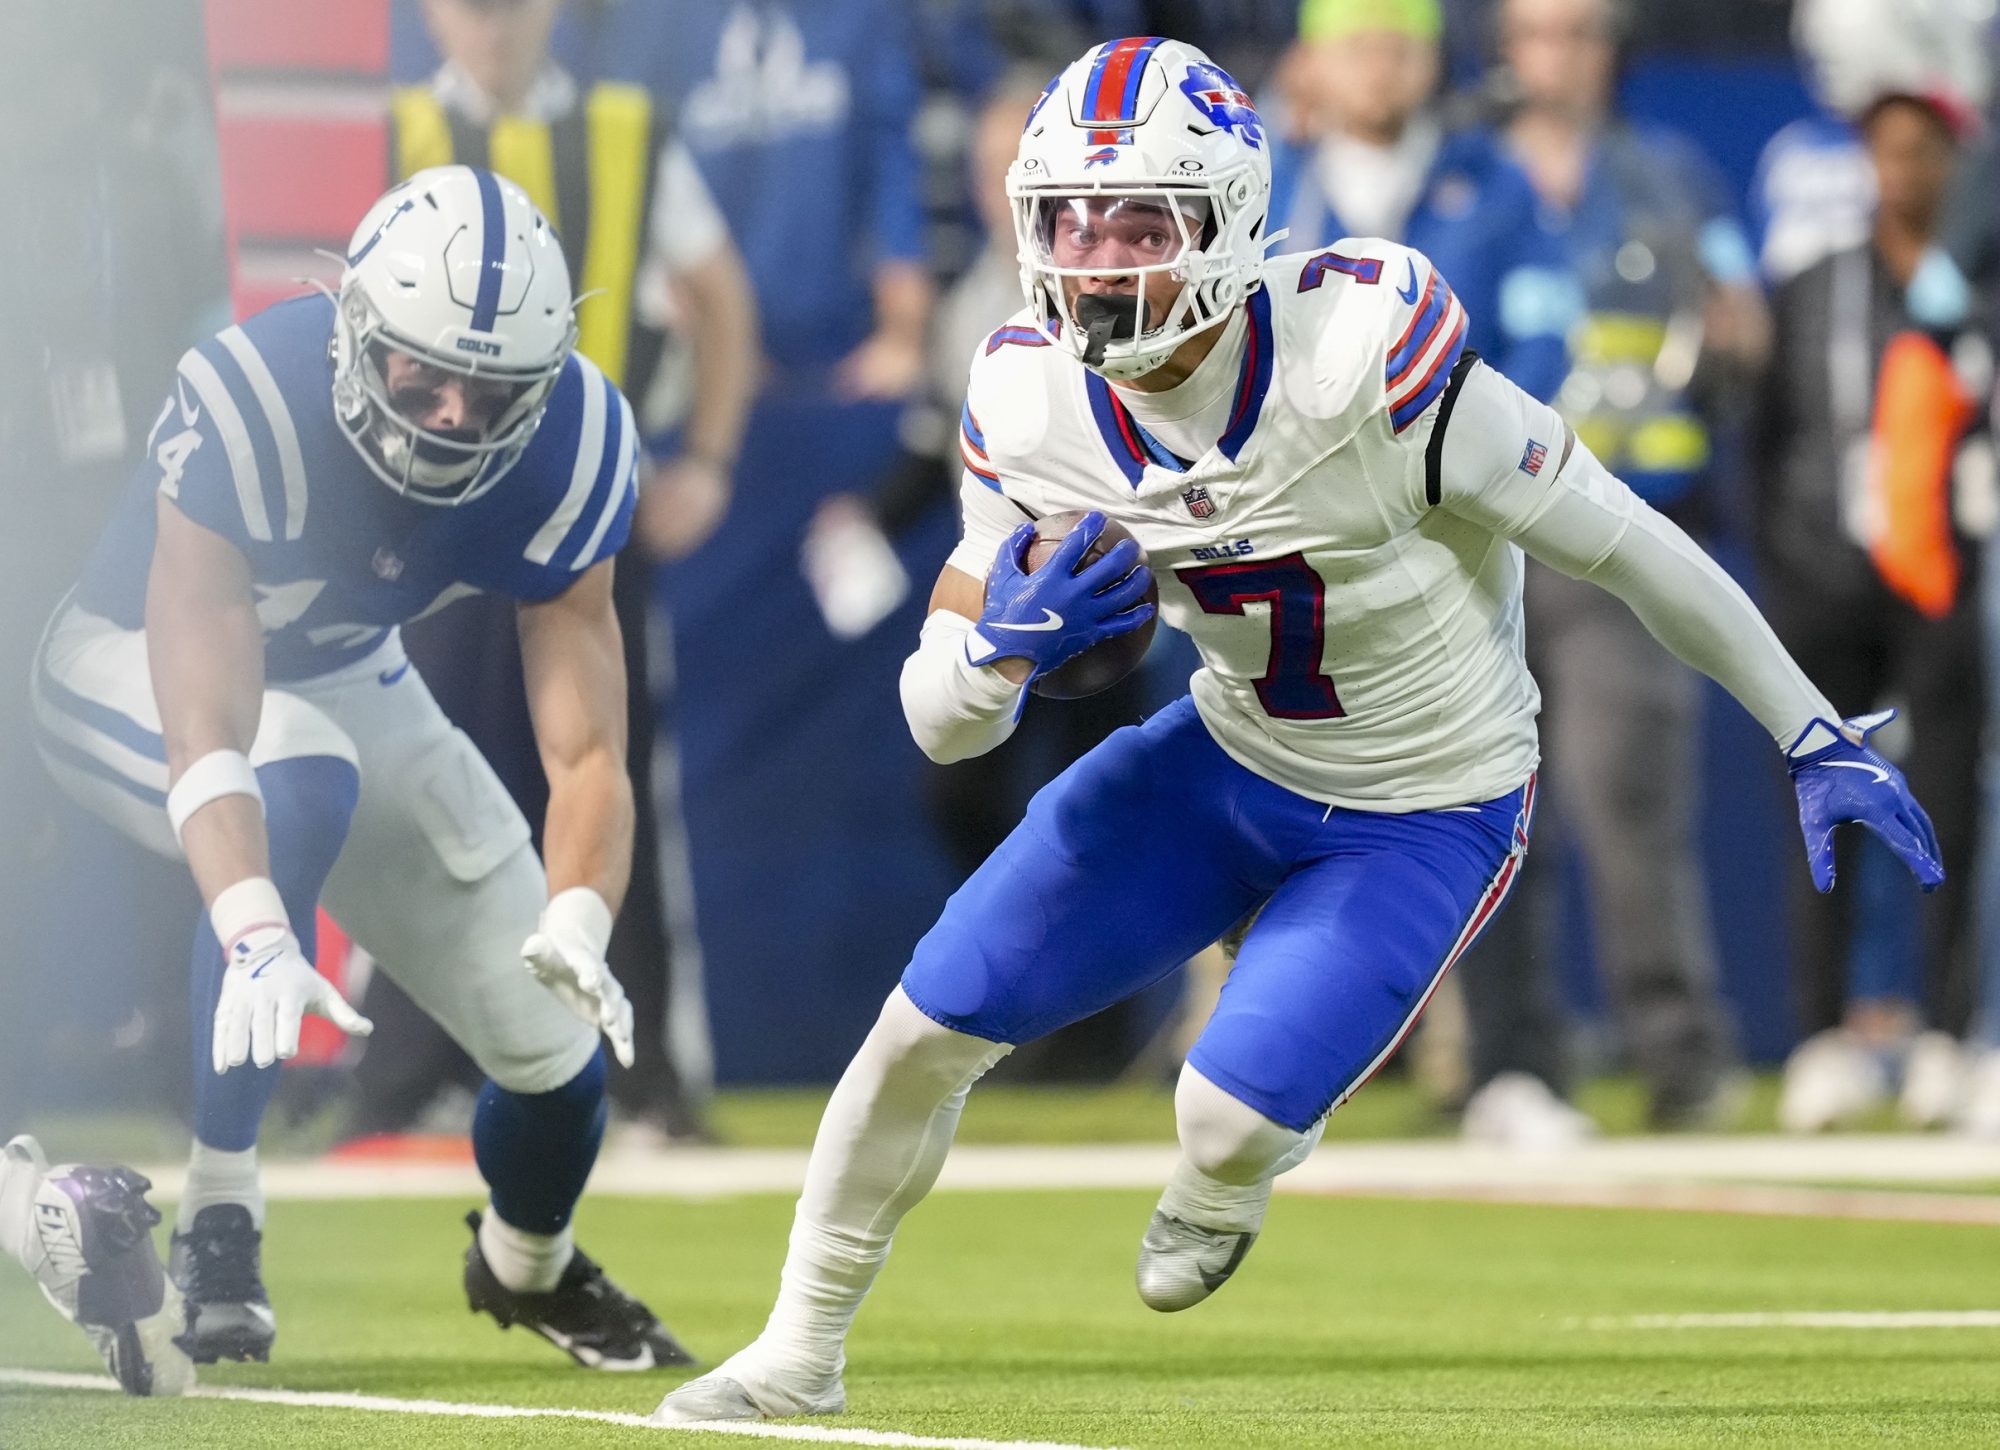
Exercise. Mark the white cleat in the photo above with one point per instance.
(1979, 1114)
(1181, 1263)
(1935, 1077)
(741, 1388)
(1520, 1112)
(1830, 1078)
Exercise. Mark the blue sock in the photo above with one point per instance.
(535, 1150)
(307, 805)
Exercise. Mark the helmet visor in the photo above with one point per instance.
(1115, 233)
(467, 410)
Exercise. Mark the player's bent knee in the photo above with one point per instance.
(921, 1052)
(558, 1056)
(1230, 1141)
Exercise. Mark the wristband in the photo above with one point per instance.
(213, 776)
(581, 911)
(252, 904)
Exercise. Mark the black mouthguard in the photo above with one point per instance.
(1101, 316)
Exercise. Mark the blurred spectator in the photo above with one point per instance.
(1815, 187)
(1956, 290)
(1823, 516)
(975, 803)
(649, 251)
(800, 116)
(111, 264)
(1675, 323)
(1364, 153)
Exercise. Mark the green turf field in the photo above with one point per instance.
(1011, 1315)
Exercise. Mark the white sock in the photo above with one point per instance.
(1230, 1153)
(524, 1262)
(20, 1178)
(216, 1175)
(1193, 1197)
(880, 1146)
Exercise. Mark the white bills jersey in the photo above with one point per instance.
(1360, 644)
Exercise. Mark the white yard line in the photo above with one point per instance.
(381, 1404)
(1804, 1319)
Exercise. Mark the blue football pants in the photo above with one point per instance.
(1156, 843)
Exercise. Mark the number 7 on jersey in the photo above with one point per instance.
(1293, 685)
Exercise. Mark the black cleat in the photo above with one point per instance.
(586, 1316)
(219, 1266)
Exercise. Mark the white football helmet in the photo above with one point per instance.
(1148, 144)
(457, 269)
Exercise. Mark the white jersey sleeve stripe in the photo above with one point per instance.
(583, 473)
(229, 427)
(153, 434)
(290, 461)
(621, 480)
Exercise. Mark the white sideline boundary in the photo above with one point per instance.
(382, 1404)
(1427, 1168)
(1804, 1319)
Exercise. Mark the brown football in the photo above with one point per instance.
(1105, 664)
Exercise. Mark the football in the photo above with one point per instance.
(1102, 665)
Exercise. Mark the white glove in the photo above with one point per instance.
(266, 993)
(566, 954)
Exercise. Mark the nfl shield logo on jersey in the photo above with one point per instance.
(1199, 503)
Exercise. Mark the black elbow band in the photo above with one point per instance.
(1434, 450)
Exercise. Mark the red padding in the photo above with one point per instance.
(296, 179)
(323, 36)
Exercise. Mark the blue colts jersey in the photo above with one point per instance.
(249, 446)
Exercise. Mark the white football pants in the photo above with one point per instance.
(437, 880)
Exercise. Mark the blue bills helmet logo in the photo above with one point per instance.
(1101, 158)
(1199, 503)
(1223, 102)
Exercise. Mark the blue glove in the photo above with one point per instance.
(1839, 781)
(1056, 613)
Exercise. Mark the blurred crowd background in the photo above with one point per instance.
(1749, 248)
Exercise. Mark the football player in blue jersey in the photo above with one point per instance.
(227, 683)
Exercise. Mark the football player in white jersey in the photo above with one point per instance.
(1333, 497)
(227, 684)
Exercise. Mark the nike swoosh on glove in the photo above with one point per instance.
(1059, 611)
(1839, 779)
(566, 955)
(266, 992)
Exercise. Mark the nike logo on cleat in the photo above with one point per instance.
(1050, 620)
(389, 677)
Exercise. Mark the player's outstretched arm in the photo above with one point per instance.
(206, 652)
(1573, 515)
(573, 662)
